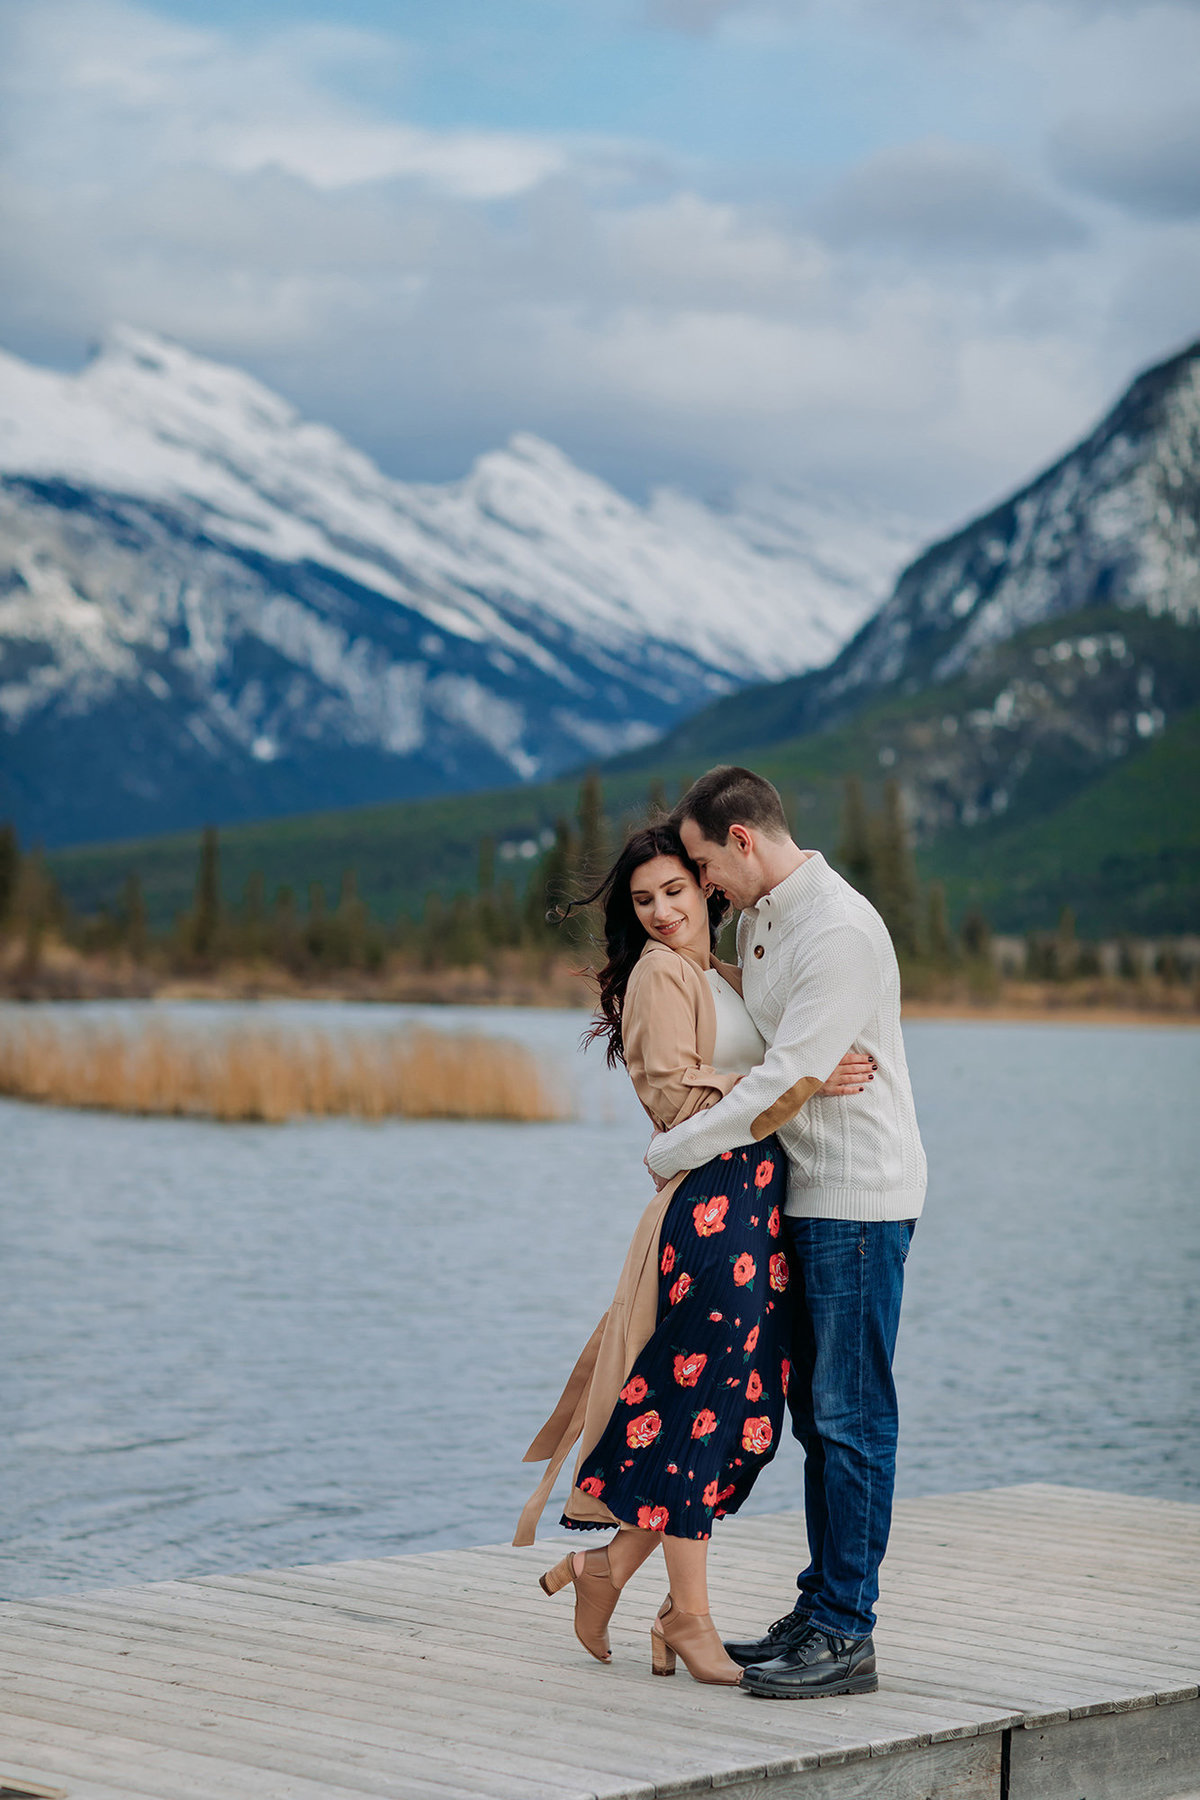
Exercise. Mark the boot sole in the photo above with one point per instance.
(858, 1684)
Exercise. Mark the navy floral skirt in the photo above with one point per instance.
(701, 1411)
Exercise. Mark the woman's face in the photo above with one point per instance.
(668, 901)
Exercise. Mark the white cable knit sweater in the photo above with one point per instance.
(819, 977)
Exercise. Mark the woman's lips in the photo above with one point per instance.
(666, 930)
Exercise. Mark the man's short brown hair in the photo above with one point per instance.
(729, 796)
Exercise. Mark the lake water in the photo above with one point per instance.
(234, 1346)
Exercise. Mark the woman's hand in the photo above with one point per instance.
(851, 1075)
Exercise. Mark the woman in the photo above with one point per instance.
(679, 1395)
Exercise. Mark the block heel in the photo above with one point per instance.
(596, 1596)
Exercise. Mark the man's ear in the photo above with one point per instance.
(743, 839)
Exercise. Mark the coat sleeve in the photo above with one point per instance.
(659, 1030)
(834, 986)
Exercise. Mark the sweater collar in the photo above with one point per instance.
(795, 894)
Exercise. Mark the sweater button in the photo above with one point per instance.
(758, 950)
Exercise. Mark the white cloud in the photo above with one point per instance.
(142, 87)
(1146, 160)
(937, 198)
(943, 317)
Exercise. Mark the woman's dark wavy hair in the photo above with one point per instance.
(624, 934)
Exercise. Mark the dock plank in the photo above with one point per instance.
(452, 1677)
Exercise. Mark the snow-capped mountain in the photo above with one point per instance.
(1114, 523)
(212, 607)
(1029, 652)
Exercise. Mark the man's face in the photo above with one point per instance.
(731, 866)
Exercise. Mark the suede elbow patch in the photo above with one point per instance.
(786, 1107)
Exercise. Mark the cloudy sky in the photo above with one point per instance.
(905, 248)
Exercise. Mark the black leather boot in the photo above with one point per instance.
(816, 1664)
(778, 1637)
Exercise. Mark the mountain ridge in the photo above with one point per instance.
(252, 607)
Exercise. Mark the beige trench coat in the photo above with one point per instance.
(669, 1028)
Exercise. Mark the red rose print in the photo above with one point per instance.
(705, 1424)
(757, 1435)
(592, 1484)
(763, 1173)
(727, 1156)
(754, 1218)
(672, 1468)
(773, 1222)
(688, 1369)
(710, 1215)
(753, 1385)
(668, 1259)
(779, 1271)
(709, 1496)
(635, 1391)
(751, 1343)
(716, 1317)
(643, 1430)
(732, 1381)
(743, 1268)
(786, 1375)
(652, 1518)
(681, 1290)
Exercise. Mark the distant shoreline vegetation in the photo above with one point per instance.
(495, 942)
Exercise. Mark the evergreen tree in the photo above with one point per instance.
(134, 928)
(592, 854)
(464, 941)
(487, 865)
(896, 892)
(855, 852)
(507, 916)
(205, 921)
(10, 872)
(352, 924)
(316, 925)
(254, 915)
(976, 935)
(433, 933)
(31, 911)
(1040, 961)
(1167, 966)
(939, 943)
(549, 890)
(487, 908)
(283, 936)
(1066, 946)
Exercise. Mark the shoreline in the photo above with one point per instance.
(1012, 1014)
(524, 980)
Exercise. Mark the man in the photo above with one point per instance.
(820, 976)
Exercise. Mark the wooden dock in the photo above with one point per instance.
(1035, 1643)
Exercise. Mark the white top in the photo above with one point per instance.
(739, 1046)
(820, 978)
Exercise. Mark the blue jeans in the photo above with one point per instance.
(848, 1279)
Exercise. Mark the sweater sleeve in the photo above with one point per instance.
(659, 1034)
(834, 987)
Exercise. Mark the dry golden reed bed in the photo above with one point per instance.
(265, 1074)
